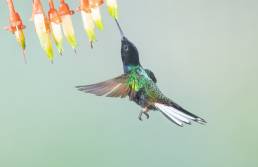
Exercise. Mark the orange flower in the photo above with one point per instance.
(55, 25)
(16, 26)
(42, 28)
(87, 20)
(65, 13)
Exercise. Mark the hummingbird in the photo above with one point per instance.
(140, 85)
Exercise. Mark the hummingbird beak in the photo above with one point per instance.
(120, 29)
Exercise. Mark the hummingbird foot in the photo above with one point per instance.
(144, 111)
(147, 115)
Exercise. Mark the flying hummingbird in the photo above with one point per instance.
(139, 84)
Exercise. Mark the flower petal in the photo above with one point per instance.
(113, 8)
(41, 27)
(69, 30)
(20, 38)
(57, 36)
(97, 17)
(88, 25)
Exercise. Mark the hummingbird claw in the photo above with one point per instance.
(147, 115)
(140, 116)
(143, 111)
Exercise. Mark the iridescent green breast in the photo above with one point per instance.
(139, 80)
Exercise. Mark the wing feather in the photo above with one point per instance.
(116, 87)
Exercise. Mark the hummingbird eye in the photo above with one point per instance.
(126, 48)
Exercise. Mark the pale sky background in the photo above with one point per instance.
(204, 54)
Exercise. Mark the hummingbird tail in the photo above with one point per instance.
(178, 116)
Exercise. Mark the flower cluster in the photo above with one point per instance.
(58, 22)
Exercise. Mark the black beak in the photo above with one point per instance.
(120, 29)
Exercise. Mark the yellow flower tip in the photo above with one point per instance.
(113, 8)
(56, 30)
(59, 46)
(113, 11)
(96, 16)
(23, 45)
(45, 42)
(50, 53)
(69, 30)
(72, 41)
(91, 35)
(20, 38)
(88, 24)
(60, 49)
(99, 24)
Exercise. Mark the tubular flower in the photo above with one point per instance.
(87, 20)
(65, 13)
(95, 9)
(113, 8)
(55, 25)
(42, 28)
(16, 26)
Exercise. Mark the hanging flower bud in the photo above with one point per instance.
(87, 20)
(65, 13)
(42, 28)
(16, 26)
(113, 8)
(55, 25)
(95, 9)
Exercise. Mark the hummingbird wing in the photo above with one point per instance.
(151, 75)
(116, 87)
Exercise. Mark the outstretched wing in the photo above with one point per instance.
(116, 87)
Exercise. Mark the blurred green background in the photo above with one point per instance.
(204, 54)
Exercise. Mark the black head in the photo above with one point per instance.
(129, 52)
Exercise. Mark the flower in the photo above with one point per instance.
(87, 20)
(42, 29)
(88, 25)
(113, 8)
(16, 26)
(65, 13)
(95, 10)
(56, 27)
(97, 18)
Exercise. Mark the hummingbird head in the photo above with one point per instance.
(129, 52)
